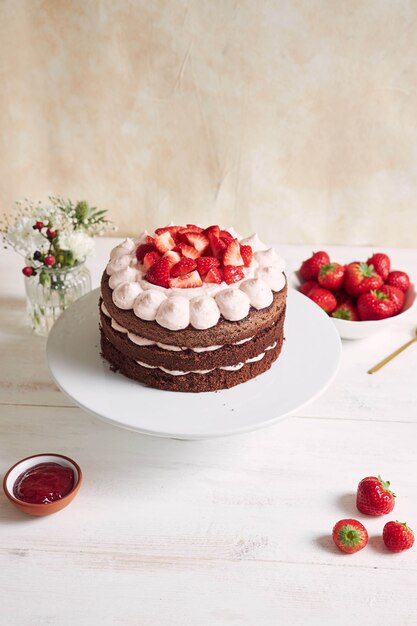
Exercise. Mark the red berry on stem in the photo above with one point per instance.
(309, 269)
(27, 271)
(398, 279)
(38, 225)
(397, 536)
(350, 535)
(49, 260)
(324, 298)
(374, 496)
(51, 233)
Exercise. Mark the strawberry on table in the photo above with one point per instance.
(187, 281)
(158, 273)
(375, 305)
(381, 264)
(396, 296)
(350, 535)
(331, 276)
(306, 287)
(346, 311)
(361, 278)
(374, 496)
(398, 279)
(309, 269)
(324, 298)
(398, 536)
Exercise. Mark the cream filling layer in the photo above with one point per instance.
(142, 341)
(229, 368)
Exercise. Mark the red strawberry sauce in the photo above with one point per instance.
(44, 483)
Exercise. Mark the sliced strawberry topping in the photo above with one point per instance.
(217, 246)
(214, 275)
(188, 251)
(199, 241)
(143, 249)
(158, 274)
(149, 259)
(247, 255)
(194, 228)
(232, 254)
(184, 266)
(213, 230)
(205, 263)
(164, 242)
(224, 234)
(232, 274)
(150, 239)
(173, 257)
(168, 229)
(187, 281)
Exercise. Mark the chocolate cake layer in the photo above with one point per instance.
(224, 332)
(228, 354)
(211, 381)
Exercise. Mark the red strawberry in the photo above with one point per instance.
(232, 254)
(194, 228)
(395, 295)
(374, 497)
(187, 281)
(143, 249)
(309, 269)
(381, 264)
(164, 242)
(361, 278)
(214, 275)
(324, 298)
(173, 230)
(184, 266)
(213, 230)
(331, 276)
(188, 251)
(397, 536)
(150, 239)
(306, 287)
(199, 241)
(398, 279)
(205, 263)
(232, 274)
(150, 259)
(217, 246)
(247, 255)
(346, 311)
(174, 257)
(226, 236)
(375, 305)
(158, 274)
(350, 535)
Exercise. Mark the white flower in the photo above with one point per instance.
(78, 242)
(23, 238)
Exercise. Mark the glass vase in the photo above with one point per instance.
(48, 296)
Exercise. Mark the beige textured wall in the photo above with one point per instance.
(297, 118)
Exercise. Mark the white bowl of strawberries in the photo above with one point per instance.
(361, 298)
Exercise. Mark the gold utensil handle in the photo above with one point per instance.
(378, 366)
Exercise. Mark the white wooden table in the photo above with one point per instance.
(229, 531)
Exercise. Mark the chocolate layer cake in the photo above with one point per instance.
(192, 310)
